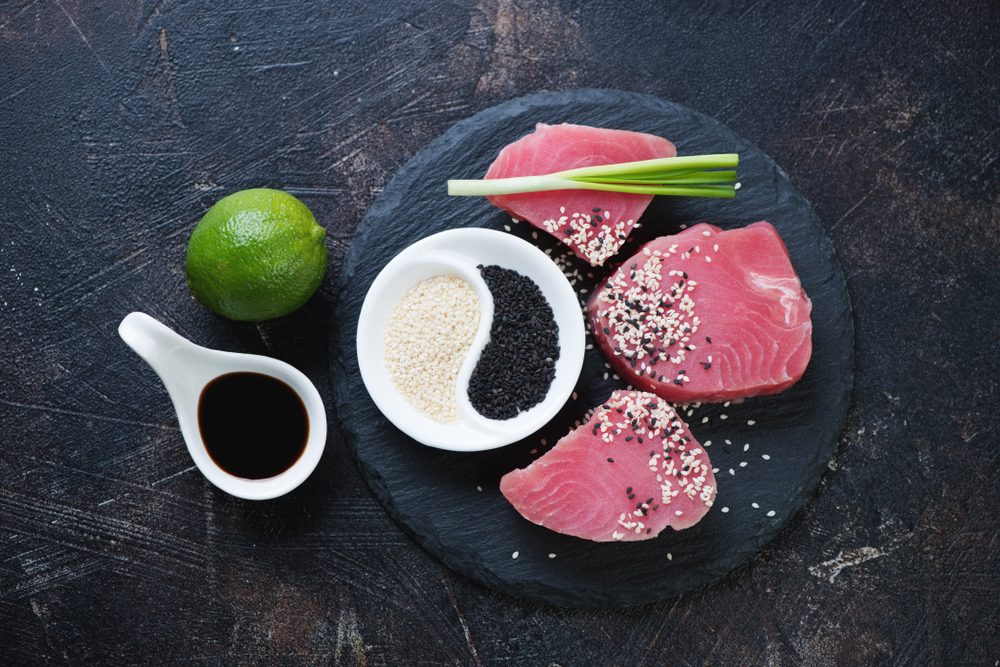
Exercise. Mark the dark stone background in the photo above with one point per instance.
(121, 123)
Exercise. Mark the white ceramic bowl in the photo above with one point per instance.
(459, 252)
(186, 368)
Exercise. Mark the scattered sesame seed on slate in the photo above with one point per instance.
(517, 366)
(515, 554)
(552, 555)
(770, 513)
(479, 488)
(755, 506)
(725, 510)
(751, 422)
(766, 457)
(670, 556)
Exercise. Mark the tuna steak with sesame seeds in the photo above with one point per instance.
(629, 472)
(593, 224)
(706, 315)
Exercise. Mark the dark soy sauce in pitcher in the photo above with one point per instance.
(253, 425)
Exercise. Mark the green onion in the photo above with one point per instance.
(687, 176)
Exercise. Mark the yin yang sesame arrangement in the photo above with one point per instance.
(430, 332)
(705, 315)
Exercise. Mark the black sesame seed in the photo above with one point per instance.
(610, 460)
(517, 366)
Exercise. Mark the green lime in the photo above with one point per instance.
(256, 254)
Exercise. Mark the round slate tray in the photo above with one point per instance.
(450, 503)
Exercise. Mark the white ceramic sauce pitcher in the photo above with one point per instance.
(185, 369)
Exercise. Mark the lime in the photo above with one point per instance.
(255, 255)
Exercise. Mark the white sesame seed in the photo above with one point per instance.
(431, 329)
(704, 420)
(706, 233)
(552, 555)
(732, 472)
(728, 441)
(743, 464)
(723, 416)
(479, 488)
(515, 554)
(746, 447)
(725, 510)
(771, 513)
(707, 443)
(755, 506)
(751, 422)
(766, 457)
(670, 556)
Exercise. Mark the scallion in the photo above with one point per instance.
(687, 176)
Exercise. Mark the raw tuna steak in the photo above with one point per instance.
(706, 315)
(593, 224)
(632, 470)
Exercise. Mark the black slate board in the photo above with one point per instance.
(434, 494)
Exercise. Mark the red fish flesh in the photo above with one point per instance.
(706, 315)
(593, 224)
(632, 470)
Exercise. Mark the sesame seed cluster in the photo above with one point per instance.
(646, 420)
(651, 318)
(427, 336)
(518, 364)
(592, 234)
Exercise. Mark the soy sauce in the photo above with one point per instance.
(253, 425)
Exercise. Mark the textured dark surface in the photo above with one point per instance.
(121, 123)
(451, 502)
